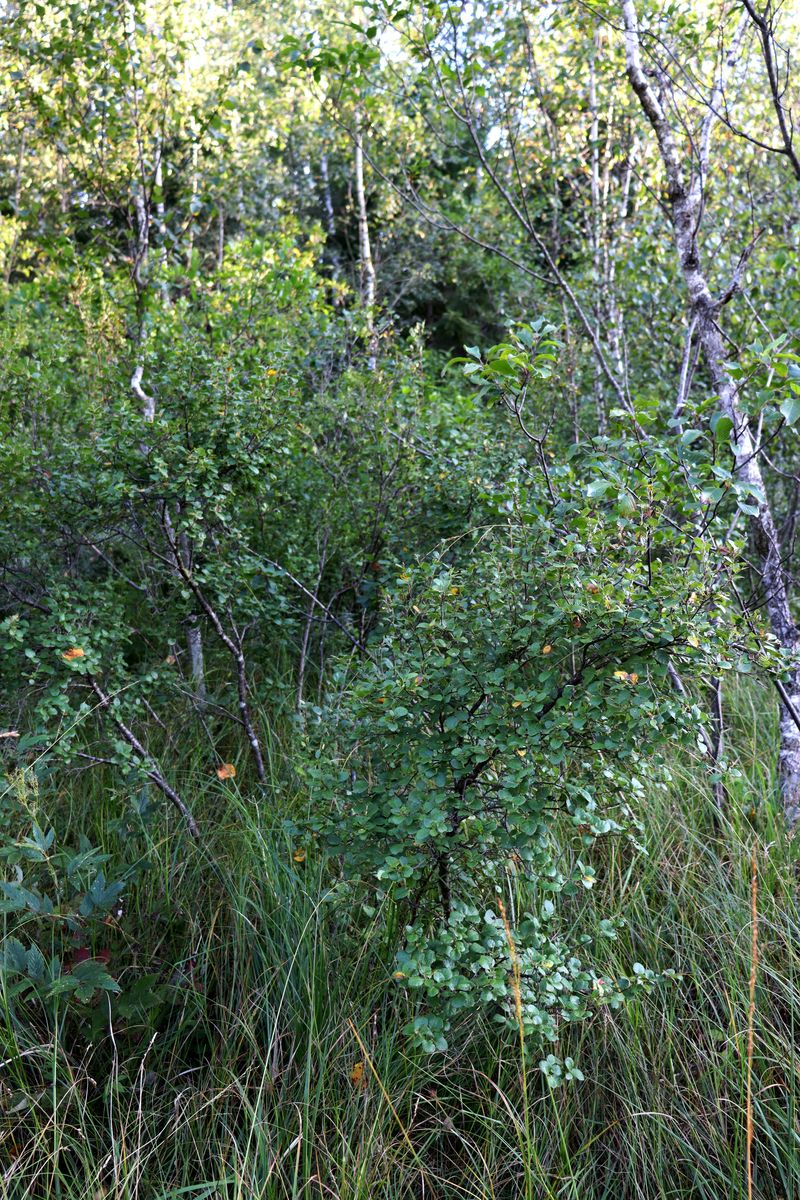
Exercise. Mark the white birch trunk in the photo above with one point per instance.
(685, 194)
(368, 279)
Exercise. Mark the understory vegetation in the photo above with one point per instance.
(264, 1056)
(399, 663)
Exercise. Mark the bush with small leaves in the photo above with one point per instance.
(513, 709)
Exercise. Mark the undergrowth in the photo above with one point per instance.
(270, 1062)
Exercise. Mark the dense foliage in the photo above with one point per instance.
(398, 416)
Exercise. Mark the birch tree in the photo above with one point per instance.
(686, 172)
(367, 275)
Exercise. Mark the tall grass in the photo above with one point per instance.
(278, 1068)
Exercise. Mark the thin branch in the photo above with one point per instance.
(152, 769)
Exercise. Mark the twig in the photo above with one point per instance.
(230, 645)
(152, 770)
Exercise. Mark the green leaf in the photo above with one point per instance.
(721, 426)
(598, 488)
(35, 964)
(91, 976)
(790, 408)
(15, 958)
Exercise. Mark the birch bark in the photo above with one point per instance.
(366, 263)
(685, 189)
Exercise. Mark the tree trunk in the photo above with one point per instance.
(220, 235)
(192, 209)
(161, 222)
(142, 281)
(685, 195)
(141, 284)
(194, 635)
(330, 215)
(596, 230)
(366, 264)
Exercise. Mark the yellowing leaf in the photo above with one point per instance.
(73, 653)
(299, 855)
(516, 703)
(357, 1075)
(226, 771)
(546, 649)
(399, 975)
(522, 753)
(454, 591)
(693, 640)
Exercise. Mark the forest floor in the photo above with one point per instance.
(272, 1062)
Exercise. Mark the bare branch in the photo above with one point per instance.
(152, 769)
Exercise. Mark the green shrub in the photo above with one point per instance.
(514, 708)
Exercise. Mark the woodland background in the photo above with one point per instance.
(398, 595)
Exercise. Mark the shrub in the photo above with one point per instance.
(515, 704)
